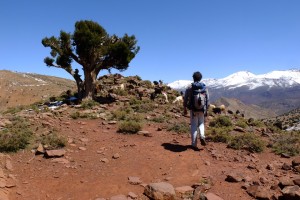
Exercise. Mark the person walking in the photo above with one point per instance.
(196, 99)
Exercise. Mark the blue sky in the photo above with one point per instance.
(216, 37)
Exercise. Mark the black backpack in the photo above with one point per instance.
(198, 97)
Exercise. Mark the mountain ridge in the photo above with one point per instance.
(276, 90)
(283, 78)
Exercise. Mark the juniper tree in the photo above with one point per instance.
(94, 49)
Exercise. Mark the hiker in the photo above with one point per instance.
(194, 93)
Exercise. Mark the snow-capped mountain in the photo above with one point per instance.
(284, 79)
(276, 90)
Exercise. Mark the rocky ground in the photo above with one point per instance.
(98, 162)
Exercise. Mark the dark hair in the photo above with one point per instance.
(197, 76)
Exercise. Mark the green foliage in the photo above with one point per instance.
(134, 117)
(120, 92)
(181, 127)
(14, 110)
(89, 104)
(143, 107)
(126, 114)
(217, 134)
(130, 127)
(221, 121)
(255, 122)
(78, 115)
(15, 136)
(159, 119)
(248, 141)
(287, 143)
(119, 114)
(53, 141)
(241, 123)
(147, 83)
(92, 48)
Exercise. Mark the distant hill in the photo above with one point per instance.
(26, 88)
(277, 90)
(249, 111)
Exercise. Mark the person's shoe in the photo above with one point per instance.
(194, 148)
(203, 142)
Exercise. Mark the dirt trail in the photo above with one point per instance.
(162, 157)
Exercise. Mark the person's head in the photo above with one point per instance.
(197, 76)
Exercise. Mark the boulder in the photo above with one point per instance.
(160, 191)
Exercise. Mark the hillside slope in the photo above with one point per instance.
(25, 88)
(249, 111)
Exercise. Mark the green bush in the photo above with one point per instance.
(14, 110)
(143, 108)
(159, 119)
(130, 127)
(221, 121)
(120, 92)
(248, 141)
(134, 117)
(219, 134)
(181, 127)
(77, 115)
(241, 123)
(89, 104)
(119, 114)
(287, 143)
(255, 122)
(15, 136)
(53, 141)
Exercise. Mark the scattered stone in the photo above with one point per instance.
(284, 155)
(286, 166)
(55, 153)
(82, 148)
(132, 195)
(212, 196)
(296, 161)
(8, 165)
(84, 139)
(1, 173)
(116, 156)
(239, 129)
(3, 195)
(40, 149)
(2, 183)
(199, 194)
(285, 181)
(112, 122)
(259, 192)
(184, 192)
(234, 177)
(263, 180)
(251, 166)
(105, 160)
(160, 191)
(60, 160)
(297, 181)
(297, 168)
(207, 163)
(119, 197)
(134, 180)
(291, 192)
(10, 183)
(270, 167)
(145, 133)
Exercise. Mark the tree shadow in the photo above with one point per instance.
(175, 147)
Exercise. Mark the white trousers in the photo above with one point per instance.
(197, 125)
